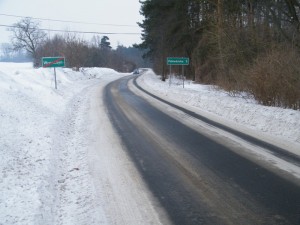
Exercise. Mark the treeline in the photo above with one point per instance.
(27, 35)
(248, 46)
(96, 53)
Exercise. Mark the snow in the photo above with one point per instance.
(236, 111)
(271, 124)
(61, 161)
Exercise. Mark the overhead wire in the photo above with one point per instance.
(68, 21)
(70, 31)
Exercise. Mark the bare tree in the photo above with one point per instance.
(27, 35)
(6, 50)
(76, 50)
(96, 41)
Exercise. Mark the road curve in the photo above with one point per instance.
(195, 179)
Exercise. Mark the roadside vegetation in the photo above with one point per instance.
(248, 46)
(29, 37)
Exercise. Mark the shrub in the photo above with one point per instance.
(274, 79)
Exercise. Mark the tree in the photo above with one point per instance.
(27, 35)
(170, 28)
(104, 43)
(6, 51)
(224, 39)
(52, 47)
(76, 50)
(156, 27)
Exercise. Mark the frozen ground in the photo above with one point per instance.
(62, 163)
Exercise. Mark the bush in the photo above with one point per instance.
(274, 79)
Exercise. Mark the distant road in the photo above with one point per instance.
(196, 178)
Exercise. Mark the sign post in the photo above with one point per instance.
(55, 78)
(53, 62)
(176, 61)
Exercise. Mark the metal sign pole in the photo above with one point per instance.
(55, 78)
(183, 76)
(54, 62)
(178, 61)
(170, 75)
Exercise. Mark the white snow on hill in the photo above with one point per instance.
(61, 161)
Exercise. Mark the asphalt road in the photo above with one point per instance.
(196, 179)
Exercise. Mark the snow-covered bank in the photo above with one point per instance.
(273, 122)
(60, 160)
(29, 108)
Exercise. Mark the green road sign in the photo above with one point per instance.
(177, 61)
(53, 61)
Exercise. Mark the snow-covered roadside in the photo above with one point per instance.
(282, 125)
(28, 166)
(62, 163)
(60, 160)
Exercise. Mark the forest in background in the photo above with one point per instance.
(241, 46)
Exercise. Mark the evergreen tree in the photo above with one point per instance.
(222, 38)
(104, 43)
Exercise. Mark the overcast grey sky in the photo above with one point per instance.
(118, 12)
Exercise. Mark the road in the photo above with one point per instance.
(195, 177)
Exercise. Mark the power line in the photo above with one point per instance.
(69, 31)
(68, 21)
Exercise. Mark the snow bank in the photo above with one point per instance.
(97, 72)
(35, 146)
(61, 161)
(237, 111)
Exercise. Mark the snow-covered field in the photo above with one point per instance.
(61, 161)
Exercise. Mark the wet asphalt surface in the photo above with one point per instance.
(194, 178)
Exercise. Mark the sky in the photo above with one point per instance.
(102, 12)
